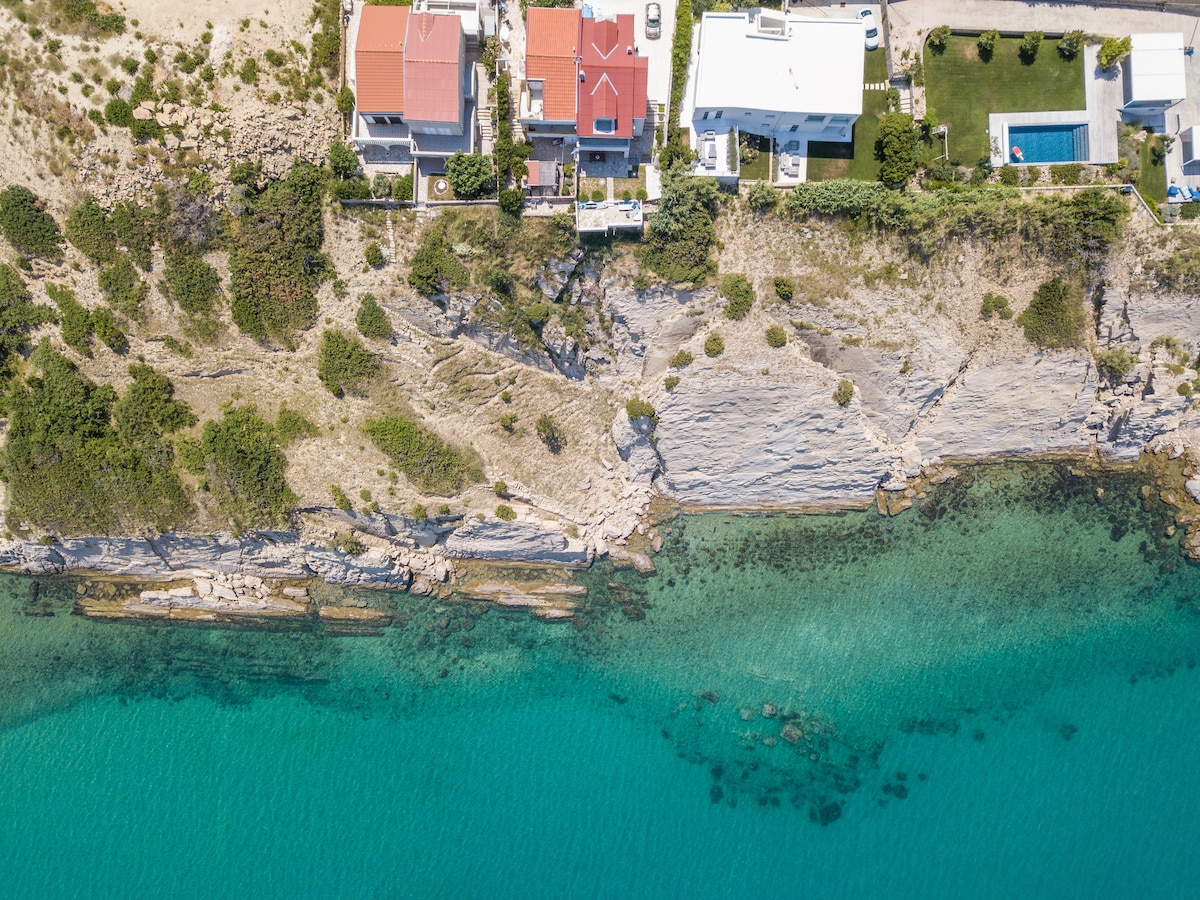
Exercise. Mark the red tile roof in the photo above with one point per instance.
(612, 78)
(379, 59)
(551, 47)
(541, 173)
(432, 68)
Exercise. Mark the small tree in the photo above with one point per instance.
(345, 101)
(714, 345)
(1116, 363)
(740, 293)
(505, 513)
(374, 255)
(784, 288)
(470, 175)
(371, 320)
(844, 392)
(638, 408)
(938, 38)
(1070, 45)
(343, 161)
(511, 201)
(1029, 46)
(776, 336)
(500, 488)
(344, 364)
(681, 359)
(762, 197)
(1113, 50)
(897, 149)
(987, 44)
(551, 433)
(1055, 317)
(26, 224)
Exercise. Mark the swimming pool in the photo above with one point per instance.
(1048, 143)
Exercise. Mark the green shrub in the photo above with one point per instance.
(275, 259)
(987, 44)
(191, 283)
(340, 500)
(671, 382)
(371, 320)
(993, 305)
(105, 328)
(78, 459)
(290, 426)
(937, 39)
(1113, 50)
(776, 336)
(1071, 44)
(897, 148)
(636, 408)
(1066, 173)
(419, 512)
(681, 359)
(123, 287)
(18, 316)
(248, 73)
(344, 364)
(500, 489)
(505, 513)
(682, 230)
(374, 255)
(508, 422)
(739, 293)
(26, 225)
(342, 160)
(785, 288)
(844, 392)
(428, 462)
(402, 188)
(1115, 363)
(118, 112)
(434, 267)
(597, 195)
(512, 200)
(1029, 45)
(1055, 317)
(345, 100)
(75, 322)
(1010, 176)
(350, 544)
(551, 433)
(763, 197)
(714, 345)
(243, 468)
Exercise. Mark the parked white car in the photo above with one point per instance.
(653, 20)
(868, 20)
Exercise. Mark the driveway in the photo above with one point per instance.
(658, 51)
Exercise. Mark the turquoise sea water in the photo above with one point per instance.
(992, 696)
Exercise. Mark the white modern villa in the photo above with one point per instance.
(762, 72)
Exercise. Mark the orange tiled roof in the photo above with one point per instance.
(551, 48)
(613, 79)
(379, 59)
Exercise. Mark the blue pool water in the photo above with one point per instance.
(1049, 143)
(993, 695)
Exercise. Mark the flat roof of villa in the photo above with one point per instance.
(1156, 67)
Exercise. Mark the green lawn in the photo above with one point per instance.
(875, 67)
(1152, 176)
(962, 89)
(633, 185)
(759, 168)
(851, 160)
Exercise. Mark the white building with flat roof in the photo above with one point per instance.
(1155, 79)
(788, 77)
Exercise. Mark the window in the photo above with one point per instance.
(814, 119)
(705, 116)
(839, 120)
(604, 126)
(794, 128)
(385, 120)
(720, 112)
(747, 115)
(770, 115)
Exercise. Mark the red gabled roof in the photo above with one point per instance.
(379, 59)
(551, 48)
(612, 82)
(432, 67)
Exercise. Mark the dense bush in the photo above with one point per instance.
(1071, 44)
(995, 305)
(551, 433)
(26, 224)
(402, 188)
(123, 288)
(1028, 49)
(191, 283)
(345, 100)
(342, 159)
(1113, 50)
(714, 345)
(785, 288)
(1066, 173)
(275, 259)
(86, 11)
(776, 336)
(75, 322)
(1009, 176)
(434, 267)
(291, 426)
(327, 40)
(79, 460)
(1055, 317)
(119, 113)
(426, 460)
(505, 513)
(938, 37)
(344, 364)
(1115, 363)
(106, 328)
(18, 316)
(371, 320)
(763, 197)
(374, 255)
(471, 175)
(844, 392)
(681, 49)
(682, 230)
(681, 359)
(511, 200)
(987, 44)
(243, 467)
(739, 293)
(897, 148)
(636, 408)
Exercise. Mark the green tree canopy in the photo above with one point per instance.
(470, 174)
(26, 224)
(897, 148)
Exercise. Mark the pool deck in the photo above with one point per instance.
(1102, 92)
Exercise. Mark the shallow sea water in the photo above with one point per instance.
(992, 696)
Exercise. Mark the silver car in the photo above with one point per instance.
(653, 20)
